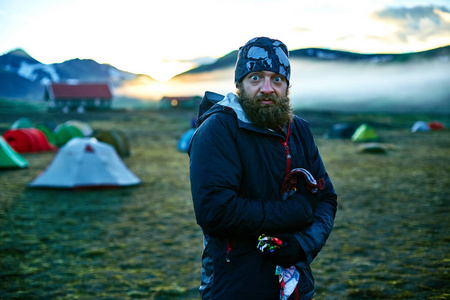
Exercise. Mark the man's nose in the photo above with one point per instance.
(267, 87)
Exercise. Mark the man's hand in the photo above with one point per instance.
(289, 254)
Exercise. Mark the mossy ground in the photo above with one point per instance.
(390, 239)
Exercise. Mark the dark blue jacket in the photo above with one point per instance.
(236, 172)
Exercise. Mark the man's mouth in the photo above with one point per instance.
(266, 101)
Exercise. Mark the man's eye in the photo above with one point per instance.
(277, 79)
(255, 77)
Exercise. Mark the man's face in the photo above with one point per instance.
(263, 96)
(264, 83)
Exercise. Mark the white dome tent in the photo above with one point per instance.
(85, 162)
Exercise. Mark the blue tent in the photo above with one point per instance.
(185, 140)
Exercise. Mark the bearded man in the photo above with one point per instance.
(259, 236)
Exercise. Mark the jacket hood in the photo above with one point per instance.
(213, 103)
(232, 102)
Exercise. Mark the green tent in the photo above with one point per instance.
(48, 133)
(21, 123)
(117, 139)
(82, 126)
(70, 129)
(65, 132)
(10, 158)
(364, 133)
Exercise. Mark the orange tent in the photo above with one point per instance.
(24, 140)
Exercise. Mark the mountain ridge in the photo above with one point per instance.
(24, 77)
(229, 59)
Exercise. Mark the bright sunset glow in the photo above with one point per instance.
(165, 38)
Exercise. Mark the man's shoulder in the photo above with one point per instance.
(299, 121)
(220, 118)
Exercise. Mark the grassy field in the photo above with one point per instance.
(390, 239)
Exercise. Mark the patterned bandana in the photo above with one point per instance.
(262, 54)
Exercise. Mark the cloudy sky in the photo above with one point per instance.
(166, 37)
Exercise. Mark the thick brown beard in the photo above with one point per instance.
(271, 116)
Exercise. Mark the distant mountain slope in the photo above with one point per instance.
(15, 86)
(229, 60)
(24, 77)
(14, 59)
(327, 54)
(90, 71)
(222, 63)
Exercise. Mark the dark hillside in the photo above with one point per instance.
(222, 63)
(229, 60)
(336, 55)
(10, 82)
(15, 58)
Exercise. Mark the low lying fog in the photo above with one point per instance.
(414, 86)
(358, 86)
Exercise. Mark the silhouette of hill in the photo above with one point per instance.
(229, 59)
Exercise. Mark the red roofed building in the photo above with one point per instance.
(78, 97)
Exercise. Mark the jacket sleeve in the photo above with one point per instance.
(313, 238)
(215, 172)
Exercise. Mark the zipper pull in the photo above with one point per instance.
(288, 154)
(229, 248)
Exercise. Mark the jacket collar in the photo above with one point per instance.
(232, 102)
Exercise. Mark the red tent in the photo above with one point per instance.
(28, 140)
(436, 125)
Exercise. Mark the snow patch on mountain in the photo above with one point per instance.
(44, 73)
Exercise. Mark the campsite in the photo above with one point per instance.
(390, 239)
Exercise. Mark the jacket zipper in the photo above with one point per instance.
(288, 157)
(229, 248)
(286, 149)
